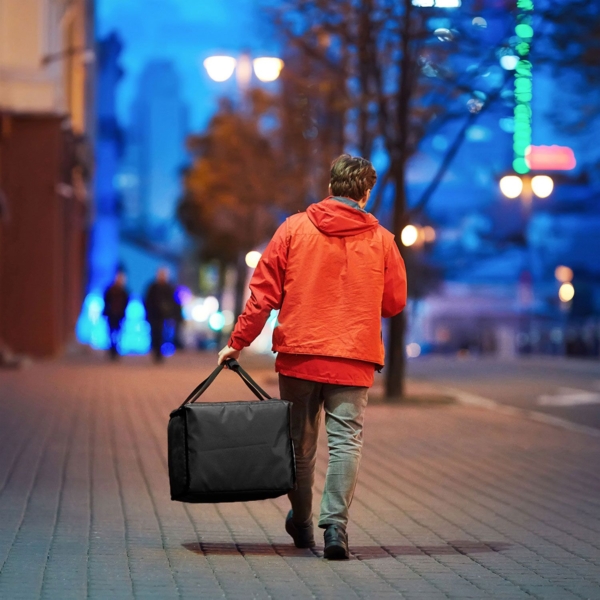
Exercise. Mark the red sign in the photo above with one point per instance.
(550, 158)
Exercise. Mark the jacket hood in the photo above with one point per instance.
(336, 219)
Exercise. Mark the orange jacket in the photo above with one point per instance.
(332, 272)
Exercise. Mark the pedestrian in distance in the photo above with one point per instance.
(161, 307)
(332, 272)
(116, 299)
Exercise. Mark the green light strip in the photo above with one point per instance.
(523, 86)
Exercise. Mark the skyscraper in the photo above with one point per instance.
(155, 154)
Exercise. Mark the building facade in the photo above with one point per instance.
(46, 104)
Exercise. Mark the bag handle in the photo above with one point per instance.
(236, 368)
(234, 365)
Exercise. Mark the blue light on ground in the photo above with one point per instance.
(92, 328)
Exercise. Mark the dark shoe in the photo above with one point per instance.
(336, 543)
(303, 536)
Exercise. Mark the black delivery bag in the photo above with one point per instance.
(230, 451)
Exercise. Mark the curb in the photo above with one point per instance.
(474, 400)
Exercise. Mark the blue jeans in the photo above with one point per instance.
(344, 408)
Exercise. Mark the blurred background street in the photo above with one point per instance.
(567, 390)
(148, 151)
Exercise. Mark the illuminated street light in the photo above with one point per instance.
(267, 68)
(566, 292)
(563, 274)
(220, 68)
(542, 186)
(511, 186)
(409, 235)
(252, 258)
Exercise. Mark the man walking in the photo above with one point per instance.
(332, 272)
(116, 299)
(161, 306)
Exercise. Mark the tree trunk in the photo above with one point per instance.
(396, 354)
(396, 360)
(396, 367)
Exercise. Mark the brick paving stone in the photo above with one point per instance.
(452, 501)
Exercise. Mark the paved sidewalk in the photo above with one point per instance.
(453, 501)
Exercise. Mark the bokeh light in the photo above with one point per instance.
(563, 274)
(413, 350)
(511, 186)
(199, 312)
(220, 68)
(267, 68)
(183, 294)
(429, 234)
(524, 31)
(211, 303)
(216, 321)
(409, 235)
(509, 62)
(252, 258)
(566, 292)
(542, 186)
(168, 349)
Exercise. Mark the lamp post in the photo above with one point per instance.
(526, 187)
(417, 236)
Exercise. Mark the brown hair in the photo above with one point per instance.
(352, 176)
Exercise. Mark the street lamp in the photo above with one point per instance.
(566, 292)
(220, 68)
(409, 235)
(267, 68)
(252, 258)
(563, 274)
(542, 185)
(416, 235)
(513, 186)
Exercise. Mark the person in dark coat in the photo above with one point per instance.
(161, 306)
(116, 299)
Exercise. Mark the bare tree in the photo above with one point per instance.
(401, 72)
(569, 46)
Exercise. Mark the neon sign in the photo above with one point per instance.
(523, 86)
(550, 158)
